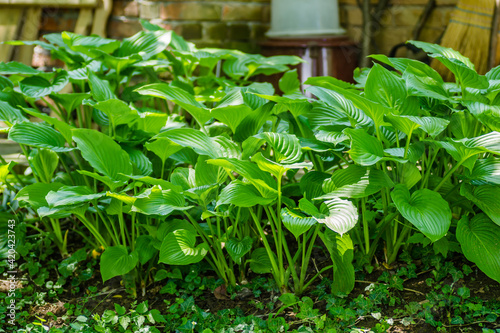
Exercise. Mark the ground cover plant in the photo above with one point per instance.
(152, 162)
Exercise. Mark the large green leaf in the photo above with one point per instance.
(355, 182)
(71, 195)
(43, 162)
(103, 153)
(241, 195)
(425, 209)
(86, 44)
(116, 261)
(33, 195)
(145, 248)
(231, 115)
(70, 101)
(178, 96)
(311, 184)
(118, 112)
(178, 248)
(260, 262)
(238, 248)
(277, 169)
(262, 180)
(365, 149)
(485, 172)
(489, 142)
(386, 88)
(289, 82)
(340, 103)
(489, 115)
(145, 43)
(341, 251)
(43, 84)
(101, 90)
(480, 239)
(141, 164)
(38, 135)
(10, 114)
(194, 139)
(295, 222)
(341, 216)
(485, 197)
(160, 202)
(286, 147)
(61, 126)
(15, 67)
(163, 148)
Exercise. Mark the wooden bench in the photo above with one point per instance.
(20, 20)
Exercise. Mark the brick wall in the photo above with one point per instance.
(231, 24)
(241, 24)
(398, 22)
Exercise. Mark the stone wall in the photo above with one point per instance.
(241, 24)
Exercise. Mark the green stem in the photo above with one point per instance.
(366, 230)
(448, 175)
(270, 253)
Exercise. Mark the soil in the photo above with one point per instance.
(415, 291)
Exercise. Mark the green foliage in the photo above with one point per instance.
(164, 153)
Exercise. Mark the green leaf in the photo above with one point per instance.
(365, 149)
(145, 43)
(486, 172)
(103, 153)
(296, 223)
(15, 67)
(311, 184)
(355, 182)
(178, 96)
(341, 251)
(241, 195)
(118, 112)
(141, 164)
(260, 262)
(70, 101)
(485, 197)
(238, 248)
(277, 169)
(488, 115)
(286, 147)
(39, 85)
(443, 51)
(386, 88)
(262, 181)
(489, 142)
(145, 249)
(289, 82)
(231, 115)
(86, 44)
(194, 139)
(341, 217)
(33, 195)
(71, 195)
(59, 125)
(116, 261)
(10, 114)
(342, 106)
(38, 135)
(163, 148)
(159, 202)
(178, 248)
(425, 209)
(101, 90)
(43, 162)
(480, 239)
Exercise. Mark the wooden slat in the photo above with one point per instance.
(29, 31)
(84, 22)
(10, 19)
(101, 16)
(50, 3)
